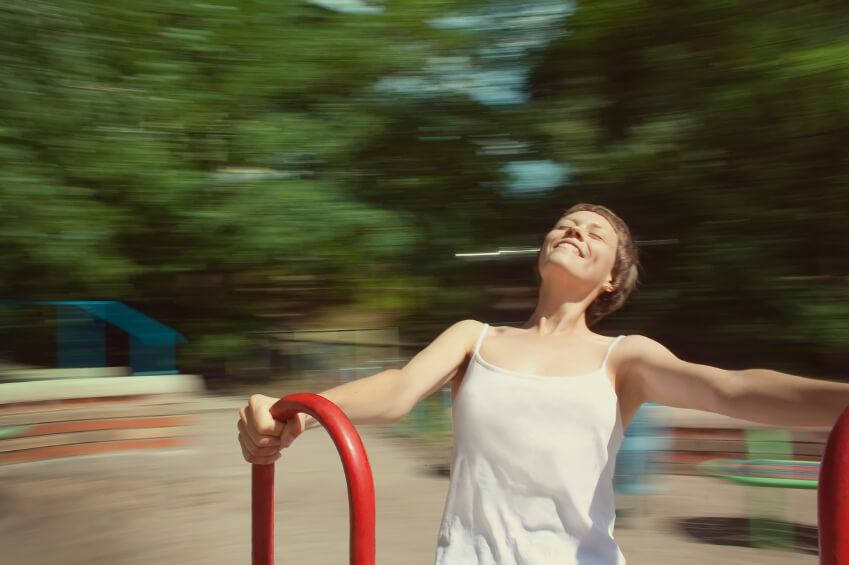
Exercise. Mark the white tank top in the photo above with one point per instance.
(532, 469)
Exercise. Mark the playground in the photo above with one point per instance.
(193, 505)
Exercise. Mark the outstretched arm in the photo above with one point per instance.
(382, 398)
(388, 396)
(757, 395)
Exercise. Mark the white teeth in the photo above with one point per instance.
(570, 245)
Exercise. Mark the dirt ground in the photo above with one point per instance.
(193, 506)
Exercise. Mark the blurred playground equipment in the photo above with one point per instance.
(81, 335)
(769, 464)
(636, 460)
(84, 406)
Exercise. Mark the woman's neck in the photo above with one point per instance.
(559, 312)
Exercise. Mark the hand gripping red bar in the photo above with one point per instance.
(357, 474)
(833, 496)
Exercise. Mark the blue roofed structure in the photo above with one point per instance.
(81, 337)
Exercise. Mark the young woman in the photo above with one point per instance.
(539, 411)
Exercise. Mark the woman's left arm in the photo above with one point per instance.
(757, 395)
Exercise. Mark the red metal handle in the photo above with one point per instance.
(833, 496)
(357, 474)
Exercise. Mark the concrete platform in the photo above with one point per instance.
(47, 418)
(75, 387)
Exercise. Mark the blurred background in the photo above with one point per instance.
(312, 190)
(238, 168)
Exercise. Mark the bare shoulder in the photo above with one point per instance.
(466, 327)
(639, 344)
(637, 349)
(469, 324)
(464, 331)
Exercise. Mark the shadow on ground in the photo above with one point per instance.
(736, 532)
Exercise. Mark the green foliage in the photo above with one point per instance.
(164, 152)
(721, 125)
(213, 164)
(236, 166)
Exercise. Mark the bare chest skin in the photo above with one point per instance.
(558, 356)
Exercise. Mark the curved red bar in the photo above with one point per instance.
(357, 474)
(833, 496)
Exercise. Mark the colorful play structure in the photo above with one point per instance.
(81, 335)
(83, 406)
(832, 484)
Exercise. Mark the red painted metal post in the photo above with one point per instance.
(357, 474)
(833, 496)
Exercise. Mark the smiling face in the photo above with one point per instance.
(585, 244)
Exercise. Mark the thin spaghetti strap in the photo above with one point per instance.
(480, 338)
(609, 349)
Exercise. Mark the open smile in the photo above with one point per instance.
(566, 242)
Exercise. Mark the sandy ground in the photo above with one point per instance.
(193, 506)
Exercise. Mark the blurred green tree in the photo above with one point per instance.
(195, 160)
(231, 167)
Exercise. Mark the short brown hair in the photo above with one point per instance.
(625, 268)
